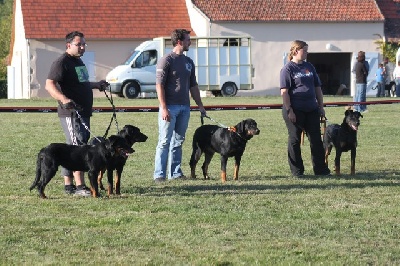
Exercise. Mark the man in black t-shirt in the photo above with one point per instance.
(68, 83)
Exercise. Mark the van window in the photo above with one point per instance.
(147, 58)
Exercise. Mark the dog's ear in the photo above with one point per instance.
(241, 127)
(348, 112)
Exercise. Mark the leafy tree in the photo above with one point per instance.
(388, 49)
(5, 34)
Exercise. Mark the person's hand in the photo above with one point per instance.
(70, 105)
(203, 111)
(103, 85)
(291, 115)
(322, 112)
(165, 114)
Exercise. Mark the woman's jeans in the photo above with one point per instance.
(397, 80)
(171, 136)
(360, 96)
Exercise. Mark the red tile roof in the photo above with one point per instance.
(103, 19)
(290, 10)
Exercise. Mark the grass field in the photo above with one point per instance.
(265, 218)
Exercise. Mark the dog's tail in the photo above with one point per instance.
(38, 171)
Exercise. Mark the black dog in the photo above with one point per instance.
(228, 142)
(344, 138)
(131, 134)
(88, 158)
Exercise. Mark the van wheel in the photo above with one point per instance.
(131, 90)
(229, 89)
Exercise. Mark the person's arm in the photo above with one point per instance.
(320, 100)
(287, 105)
(195, 92)
(163, 105)
(51, 87)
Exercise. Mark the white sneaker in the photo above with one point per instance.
(82, 192)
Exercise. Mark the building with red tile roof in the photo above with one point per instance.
(335, 31)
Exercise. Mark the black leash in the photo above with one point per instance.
(114, 116)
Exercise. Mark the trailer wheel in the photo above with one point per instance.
(229, 89)
(131, 90)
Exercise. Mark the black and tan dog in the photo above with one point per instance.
(228, 142)
(344, 138)
(88, 158)
(131, 134)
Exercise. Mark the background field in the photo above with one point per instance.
(266, 218)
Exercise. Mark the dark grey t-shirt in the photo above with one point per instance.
(177, 74)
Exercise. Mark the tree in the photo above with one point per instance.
(387, 49)
(5, 35)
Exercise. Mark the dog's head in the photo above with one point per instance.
(247, 128)
(132, 134)
(352, 119)
(118, 146)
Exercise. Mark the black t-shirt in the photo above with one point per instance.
(72, 76)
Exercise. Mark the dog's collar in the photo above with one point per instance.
(233, 129)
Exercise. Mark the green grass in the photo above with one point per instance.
(265, 218)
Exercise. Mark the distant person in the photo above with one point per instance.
(380, 81)
(303, 107)
(396, 76)
(390, 85)
(68, 83)
(361, 70)
(175, 79)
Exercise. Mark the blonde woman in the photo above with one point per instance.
(302, 108)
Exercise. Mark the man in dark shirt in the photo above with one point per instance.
(68, 83)
(175, 78)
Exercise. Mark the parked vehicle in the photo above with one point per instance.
(223, 66)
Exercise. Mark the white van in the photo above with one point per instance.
(223, 66)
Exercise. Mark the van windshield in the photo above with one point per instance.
(131, 57)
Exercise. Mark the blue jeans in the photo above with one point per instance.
(397, 80)
(171, 136)
(360, 96)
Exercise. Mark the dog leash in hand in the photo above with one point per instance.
(85, 126)
(114, 116)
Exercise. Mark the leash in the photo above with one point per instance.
(231, 129)
(114, 116)
(73, 106)
(85, 126)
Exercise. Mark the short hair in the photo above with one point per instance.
(70, 36)
(295, 46)
(361, 56)
(178, 35)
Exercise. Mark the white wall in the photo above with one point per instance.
(19, 60)
(107, 54)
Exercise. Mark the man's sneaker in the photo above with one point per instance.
(83, 191)
(159, 179)
(70, 189)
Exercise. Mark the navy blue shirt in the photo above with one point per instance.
(300, 80)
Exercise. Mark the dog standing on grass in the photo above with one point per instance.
(228, 142)
(131, 134)
(88, 158)
(344, 138)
